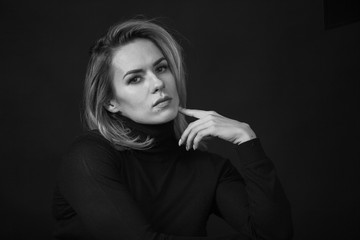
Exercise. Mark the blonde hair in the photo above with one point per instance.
(98, 89)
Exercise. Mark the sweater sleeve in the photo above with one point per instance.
(90, 180)
(254, 202)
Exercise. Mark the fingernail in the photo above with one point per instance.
(187, 148)
(179, 141)
(194, 147)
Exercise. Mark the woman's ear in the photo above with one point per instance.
(113, 106)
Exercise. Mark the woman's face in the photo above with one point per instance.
(145, 89)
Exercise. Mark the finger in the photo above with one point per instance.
(186, 132)
(195, 112)
(203, 134)
(194, 131)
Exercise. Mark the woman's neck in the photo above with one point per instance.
(163, 134)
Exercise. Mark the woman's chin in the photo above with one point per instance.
(163, 116)
(156, 116)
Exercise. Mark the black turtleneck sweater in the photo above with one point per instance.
(166, 192)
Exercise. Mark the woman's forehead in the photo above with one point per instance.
(137, 54)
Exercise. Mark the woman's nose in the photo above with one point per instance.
(157, 83)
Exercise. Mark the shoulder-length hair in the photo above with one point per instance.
(98, 89)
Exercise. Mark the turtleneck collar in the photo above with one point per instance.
(163, 134)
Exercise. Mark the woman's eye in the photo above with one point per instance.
(162, 68)
(134, 80)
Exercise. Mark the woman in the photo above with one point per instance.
(141, 171)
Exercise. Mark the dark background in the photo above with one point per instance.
(271, 64)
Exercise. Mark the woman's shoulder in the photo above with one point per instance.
(89, 155)
(90, 143)
(91, 136)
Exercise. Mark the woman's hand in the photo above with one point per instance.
(210, 123)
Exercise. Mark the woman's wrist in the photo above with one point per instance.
(244, 134)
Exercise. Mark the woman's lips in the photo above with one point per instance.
(163, 103)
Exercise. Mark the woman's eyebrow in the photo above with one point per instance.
(158, 61)
(141, 70)
(133, 71)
